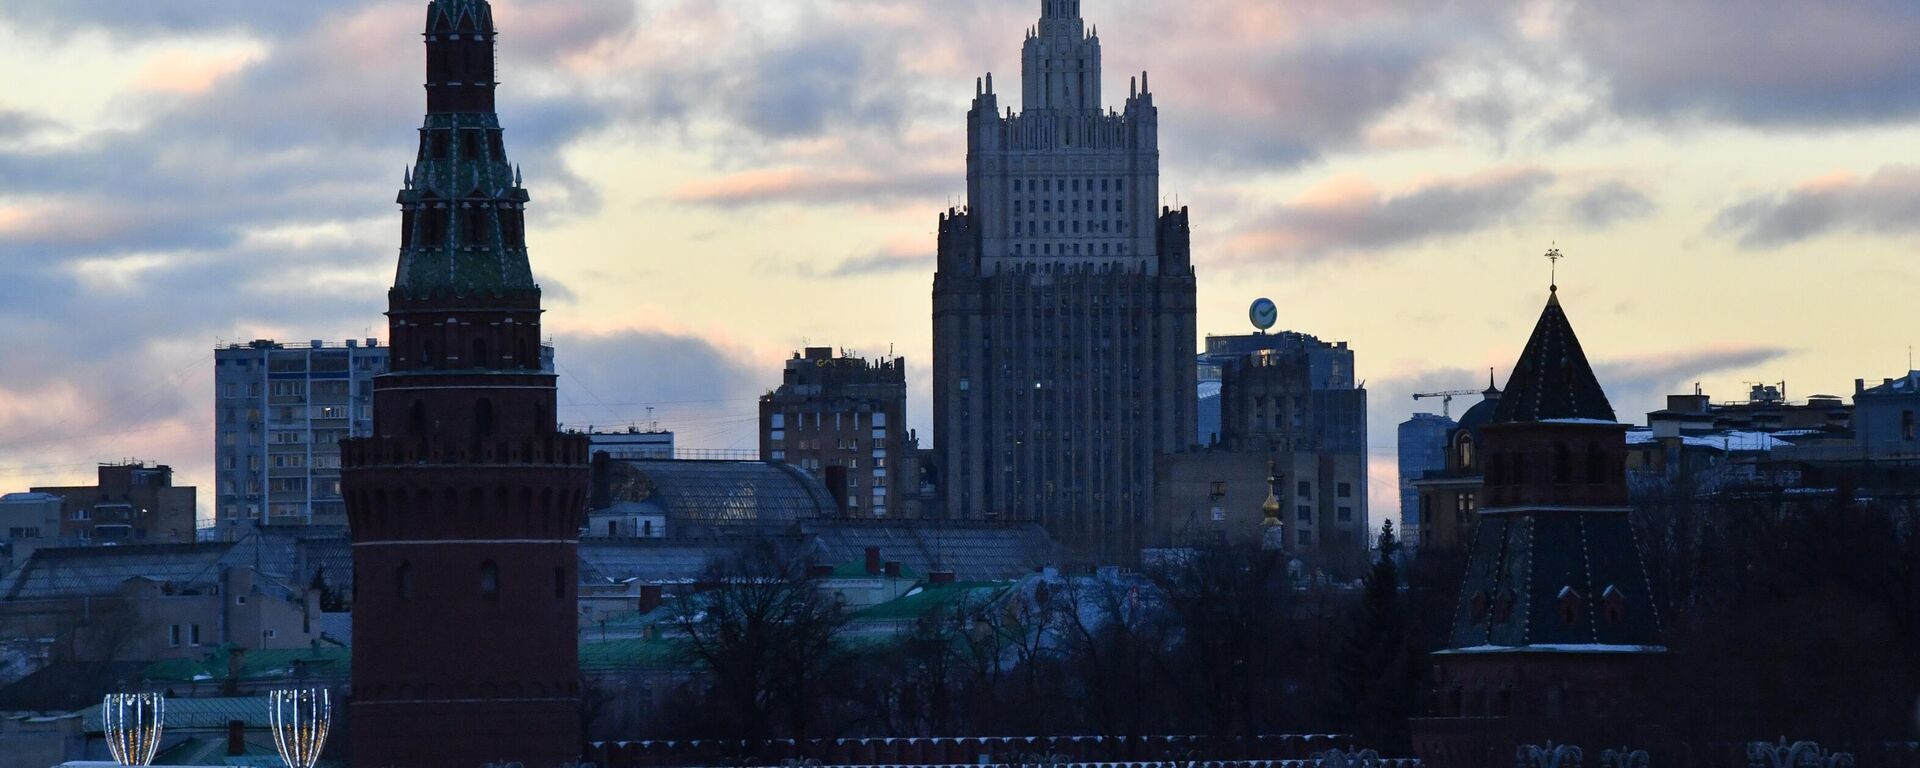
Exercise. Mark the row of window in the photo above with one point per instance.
(1060, 226)
(1068, 249)
(1067, 185)
(1046, 205)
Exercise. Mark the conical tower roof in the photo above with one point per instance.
(1552, 381)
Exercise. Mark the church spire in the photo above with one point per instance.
(1552, 380)
(462, 209)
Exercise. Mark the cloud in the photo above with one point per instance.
(1639, 384)
(19, 124)
(807, 186)
(1350, 215)
(1886, 203)
(1764, 62)
(707, 395)
(1609, 203)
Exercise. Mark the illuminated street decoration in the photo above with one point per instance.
(132, 723)
(300, 719)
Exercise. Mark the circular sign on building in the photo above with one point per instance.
(1263, 313)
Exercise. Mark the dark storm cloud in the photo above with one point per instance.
(1367, 220)
(1768, 62)
(1886, 203)
(1609, 203)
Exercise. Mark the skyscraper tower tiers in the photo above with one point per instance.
(1063, 305)
(465, 506)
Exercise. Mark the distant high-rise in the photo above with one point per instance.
(465, 505)
(1422, 447)
(1063, 305)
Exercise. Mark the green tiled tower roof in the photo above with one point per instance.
(1552, 380)
(463, 224)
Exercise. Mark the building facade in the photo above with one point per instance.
(130, 502)
(1063, 322)
(1422, 448)
(282, 410)
(844, 419)
(633, 444)
(465, 504)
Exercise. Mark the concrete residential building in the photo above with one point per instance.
(1063, 322)
(844, 419)
(282, 410)
(132, 502)
(633, 444)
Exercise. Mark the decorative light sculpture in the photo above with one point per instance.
(300, 720)
(1550, 756)
(1624, 758)
(1800, 754)
(1334, 758)
(132, 723)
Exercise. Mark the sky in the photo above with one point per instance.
(716, 183)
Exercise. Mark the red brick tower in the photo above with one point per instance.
(465, 505)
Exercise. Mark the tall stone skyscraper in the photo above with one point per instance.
(1063, 305)
(465, 506)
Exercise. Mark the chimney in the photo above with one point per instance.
(1859, 386)
(649, 597)
(601, 494)
(873, 561)
(236, 738)
(940, 577)
(893, 569)
(837, 486)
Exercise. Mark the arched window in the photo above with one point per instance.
(427, 354)
(403, 581)
(490, 580)
(483, 417)
(1465, 451)
(1596, 464)
(480, 357)
(1562, 464)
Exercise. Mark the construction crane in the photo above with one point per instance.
(1446, 398)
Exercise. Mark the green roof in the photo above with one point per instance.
(653, 653)
(929, 598)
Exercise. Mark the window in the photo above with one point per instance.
(1345, 514)
(173, 636)
(1344, 490)
(193, 634)
(1906, 425)
(1304, 513)
(1305, 538)
(490, 580)
(269, 634)
(1305, 488)
(1562, 464)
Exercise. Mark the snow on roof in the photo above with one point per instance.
(1560, 648)
(1729, 441)
(1600, 422)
